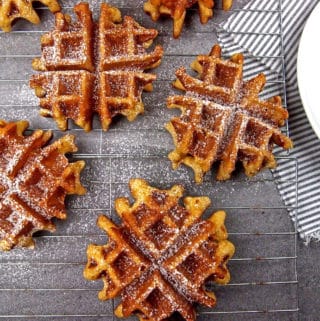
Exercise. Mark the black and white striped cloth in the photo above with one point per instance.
(265, 30)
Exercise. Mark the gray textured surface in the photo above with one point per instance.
(36, 285)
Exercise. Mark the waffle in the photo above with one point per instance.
(160, 257)
(14, 9)
(177, 10)
(93, 67)
(223, 120)
(34, 180)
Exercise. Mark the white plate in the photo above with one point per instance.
(308, 69)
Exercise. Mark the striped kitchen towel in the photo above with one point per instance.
(265, 30)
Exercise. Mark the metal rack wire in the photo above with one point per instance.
(47, 283)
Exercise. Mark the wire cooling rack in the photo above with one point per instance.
(47, 283)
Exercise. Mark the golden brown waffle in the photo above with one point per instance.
(91, 67)
(14, 9)
(159, 259)
(223, 120)
(176, 9)
(34, 180)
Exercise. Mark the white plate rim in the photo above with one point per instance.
(301, 75)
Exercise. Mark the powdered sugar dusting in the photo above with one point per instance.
(32, 192)
(115, 56)
(170, 253)
(225, 120)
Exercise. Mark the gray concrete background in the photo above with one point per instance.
(309, 284)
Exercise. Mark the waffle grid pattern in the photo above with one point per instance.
(82, 71)
(264, 280)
